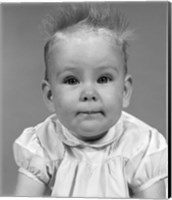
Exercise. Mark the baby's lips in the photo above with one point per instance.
(90, 112)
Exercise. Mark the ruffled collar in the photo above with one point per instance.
(67, 138)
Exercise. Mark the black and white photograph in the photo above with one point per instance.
(84, 100)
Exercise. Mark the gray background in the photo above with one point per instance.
(23, 68)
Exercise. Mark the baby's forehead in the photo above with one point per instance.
(85, 44)
(89, 35)
(90, 51)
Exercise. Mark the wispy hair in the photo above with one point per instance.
(92, 15)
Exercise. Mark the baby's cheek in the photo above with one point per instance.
(65, 103)
(64, 110)
(111, 96)
(113, 102)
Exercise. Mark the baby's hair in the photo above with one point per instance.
(93, 16)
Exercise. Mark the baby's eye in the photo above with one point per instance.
(71, 80)
(104, 79)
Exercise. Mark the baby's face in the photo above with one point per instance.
(88, 85)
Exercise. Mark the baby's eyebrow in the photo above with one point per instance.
(67, 69)
(77, 69)
(105, 67)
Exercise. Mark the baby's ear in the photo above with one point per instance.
(47, 95)
(127, 93)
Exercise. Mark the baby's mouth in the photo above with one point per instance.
(90, 113)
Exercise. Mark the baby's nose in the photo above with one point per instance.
(89, 95)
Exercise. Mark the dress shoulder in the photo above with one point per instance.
(37, 151)
(146, 152)
(137, 135)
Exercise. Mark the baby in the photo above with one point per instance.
(89, 147)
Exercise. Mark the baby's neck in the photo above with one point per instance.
(93, 139)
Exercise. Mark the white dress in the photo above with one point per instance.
(130, 158)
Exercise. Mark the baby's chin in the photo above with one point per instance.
(91, 137)
(91, 129)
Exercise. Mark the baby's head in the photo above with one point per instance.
(86, 80)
